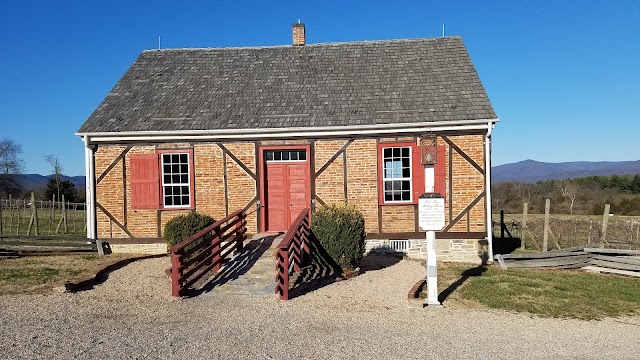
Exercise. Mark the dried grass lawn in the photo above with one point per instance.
(40, 274)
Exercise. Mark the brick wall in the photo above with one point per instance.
(361, 185)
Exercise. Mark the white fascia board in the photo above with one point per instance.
(288, 133)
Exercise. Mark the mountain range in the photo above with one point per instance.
(530, 171)
(36, 181)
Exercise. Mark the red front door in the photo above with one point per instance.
(288, 193)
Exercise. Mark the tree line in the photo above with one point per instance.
(586, 195)
(12, 168)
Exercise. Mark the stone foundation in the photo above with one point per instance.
(455, 250)
(152, 249)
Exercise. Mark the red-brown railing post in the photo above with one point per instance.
(215, 241)
(283, 274)
(175, 274)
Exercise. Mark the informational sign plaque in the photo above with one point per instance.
(431, 212)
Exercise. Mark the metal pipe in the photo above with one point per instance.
(487, 151)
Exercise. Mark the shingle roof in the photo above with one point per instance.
(336, 84)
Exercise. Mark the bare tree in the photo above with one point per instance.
(569, 190)
(57, 170)
(11, 167)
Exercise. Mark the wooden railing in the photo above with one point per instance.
(194, 257)
(293, 251)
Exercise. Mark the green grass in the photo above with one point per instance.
(39, 274)
(561, 293)
(12, 225)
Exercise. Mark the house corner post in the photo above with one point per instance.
(487, 151)
(90, 180)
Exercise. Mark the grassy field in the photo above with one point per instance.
(40, 274)
(562, 293)
(16, 222)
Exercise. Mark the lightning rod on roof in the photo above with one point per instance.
(158, 42)
(442, 30)
(298, 21)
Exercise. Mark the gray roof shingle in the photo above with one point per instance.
(336, 84)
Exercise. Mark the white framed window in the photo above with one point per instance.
(285, 155)
(396, 174)
(176, 179)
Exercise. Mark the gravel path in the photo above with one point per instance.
(132, 315)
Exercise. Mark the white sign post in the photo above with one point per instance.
(431, 219)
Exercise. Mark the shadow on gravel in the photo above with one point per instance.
(319, 272)
(322, 270)
(473, 272)
(238, 265)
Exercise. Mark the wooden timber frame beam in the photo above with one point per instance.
(466, 210)
(114, 220)
(315, 175)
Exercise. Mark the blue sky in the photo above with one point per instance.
(563, 76)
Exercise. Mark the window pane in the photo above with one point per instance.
(386, 153)
(175, 179)
(167, 168)
(405, 163)
(302, 155)
(405, 152)
(185, 200)
(406, 185)
(388, 186)
(167, 179)
(168, 190)
(166, 158)
(406, 196)
(175, 158)
(388, 197)
(396, 152)
(406, 172)
(183, 158)
(168, 200)
(285, 155)
(277, 155)
(184, 168)
(269, 155)
(184, 179)
(294, 155)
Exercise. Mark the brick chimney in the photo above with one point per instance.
(298, 34)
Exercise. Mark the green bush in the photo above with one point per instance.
(340, 231)
(181, 227)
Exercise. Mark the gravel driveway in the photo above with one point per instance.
(131, 315)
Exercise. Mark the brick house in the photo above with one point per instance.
(280, 128)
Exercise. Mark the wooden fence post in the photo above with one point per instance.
(605, 221)
(1, 201)
(18, 218)
(33, 222)
(501, 224)
(525, 210)
(589, 234)
(545, 241)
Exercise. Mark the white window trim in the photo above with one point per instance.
(410, 178)
(188, 184)
(281, 161)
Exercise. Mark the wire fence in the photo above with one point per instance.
(28, 217)
(564, 231)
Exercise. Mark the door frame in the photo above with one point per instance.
(263, 175)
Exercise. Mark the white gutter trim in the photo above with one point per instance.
(277, 135)
(487, 172)
(431, 124)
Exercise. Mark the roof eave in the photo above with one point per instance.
(287, 133)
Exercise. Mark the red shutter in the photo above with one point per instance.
(418, 172)
(145, 181)
(439, 178)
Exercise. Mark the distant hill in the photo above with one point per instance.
(530, 171)
(37, 181)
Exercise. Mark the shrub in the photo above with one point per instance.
(181, 227)
(340, 231)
